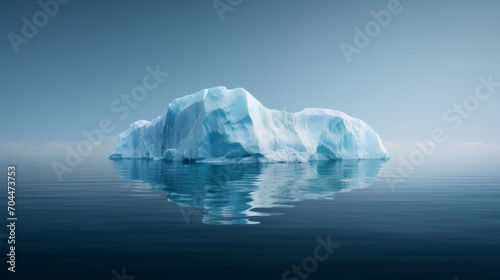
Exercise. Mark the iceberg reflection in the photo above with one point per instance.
(233, 193)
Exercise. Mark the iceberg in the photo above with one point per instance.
(230, 125)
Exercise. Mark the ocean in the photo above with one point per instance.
(145, 219)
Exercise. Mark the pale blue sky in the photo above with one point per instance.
(286, 53)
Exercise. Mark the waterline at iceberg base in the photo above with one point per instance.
(230, 125)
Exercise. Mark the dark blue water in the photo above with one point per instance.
(155, 220)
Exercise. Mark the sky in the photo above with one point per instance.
(413, 70)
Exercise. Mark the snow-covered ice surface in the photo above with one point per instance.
(230, 125)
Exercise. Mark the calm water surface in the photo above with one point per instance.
(155, 220)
